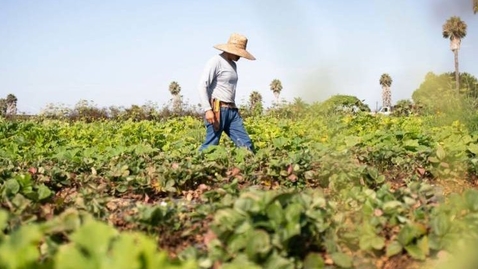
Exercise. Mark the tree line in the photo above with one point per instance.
(454, 29)
(255, 98)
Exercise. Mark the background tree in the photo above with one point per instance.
(455, 29)
(405, 107)
(341, 104)
(3, 106)
(386, 83)
(175, 89)
(437, 97)
(434, 92)
(475, 6)
(255, 103)
(276, 88)
(11, 104)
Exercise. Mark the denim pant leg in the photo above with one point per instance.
(237, 132)
(212, 137)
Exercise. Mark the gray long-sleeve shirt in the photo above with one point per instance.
(218, 80)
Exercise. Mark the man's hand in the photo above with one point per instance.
(210, 116)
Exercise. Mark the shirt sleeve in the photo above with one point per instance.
(205, 82)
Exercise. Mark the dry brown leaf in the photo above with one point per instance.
(377, 212)
(233, 172)
(292, 178)
(290, 169)
(421, 171)
(111, 205)
(47, 211)
(203, 187)
(328, 260)
(379, 264)
(32, 170)
(208, 237)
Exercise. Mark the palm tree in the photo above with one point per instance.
(386, 82)
(276, 88)
(175, 89)
(455, 30)
(11, 104)
(255, 98)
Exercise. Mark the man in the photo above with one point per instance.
(217, 90)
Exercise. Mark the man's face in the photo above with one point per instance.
(235, 58)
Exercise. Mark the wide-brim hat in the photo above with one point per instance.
(236, 45)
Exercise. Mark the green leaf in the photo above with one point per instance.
(364, 242)
(435, 242)
(246, 204)
(3, 220)
(440, 152)
(121, 187)
(237, 242)
(124, 253)
(411, 144)
(20, 249)
(275, 261)
(239, 263)
(341, 259)
(227, 219)
(423, 244)
(373, 173)
(25, 181)
(440, 224)
(393, 248)
(380, 179)
(43, 192)
(471, 198)
(291, 229)
(377, 242)
(258, 244)
(409, 201)
(279, 142)
(282, 198)
(275, 214)
(415, 251)
(69, 257)
(351, 141)
(473, 148)
(410, 232)
(292, 212)
(11, 187)
(391, 207)
(313, 261)
(94, 237)
(369, 240)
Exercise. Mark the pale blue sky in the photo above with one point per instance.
(118, 52)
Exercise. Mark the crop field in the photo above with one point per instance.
(346, 191)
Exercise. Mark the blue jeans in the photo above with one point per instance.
(231, 123)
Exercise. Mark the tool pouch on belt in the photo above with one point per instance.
(216, 108)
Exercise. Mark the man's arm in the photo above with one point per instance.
(207, 78)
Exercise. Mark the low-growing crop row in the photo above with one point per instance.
(353, 191)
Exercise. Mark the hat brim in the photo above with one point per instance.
(236, 51)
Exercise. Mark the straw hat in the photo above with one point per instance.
(236, 45)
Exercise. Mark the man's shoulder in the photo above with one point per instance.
(215, 61)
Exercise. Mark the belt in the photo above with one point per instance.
(228, 105)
